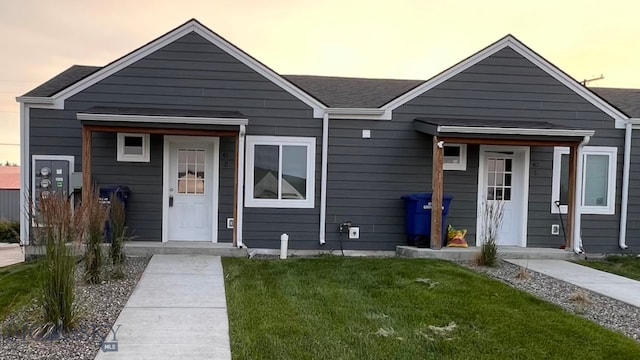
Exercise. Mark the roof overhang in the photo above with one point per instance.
(502, 129)
(159, 116)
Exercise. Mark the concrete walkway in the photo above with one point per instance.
(10, 254)
(613, 286)
(177, 311)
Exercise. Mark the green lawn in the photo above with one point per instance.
(627, 266)
(363, 308)
(18, 286)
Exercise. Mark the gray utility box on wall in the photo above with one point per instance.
(50, 177)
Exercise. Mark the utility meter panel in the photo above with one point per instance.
(50, 178)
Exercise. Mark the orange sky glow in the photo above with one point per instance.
(402, 39)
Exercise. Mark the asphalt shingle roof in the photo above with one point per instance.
(627, 100)
(344, 92)
(66, 78)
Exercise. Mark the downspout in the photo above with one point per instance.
(577, 239)
(323, 180)
(240, 199)
(25, 165)
(622, 237)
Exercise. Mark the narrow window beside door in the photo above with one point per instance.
(598, 180)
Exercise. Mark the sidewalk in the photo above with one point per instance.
(604, 283)
(177, 311)
(10, 254)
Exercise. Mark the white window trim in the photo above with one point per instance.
(462, 165)
(309, 142)
(144, 157)
(610, 151)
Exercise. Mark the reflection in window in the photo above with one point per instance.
(280, 172)
(191, 170)
(499, 178)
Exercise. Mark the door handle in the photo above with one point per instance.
(170, 200)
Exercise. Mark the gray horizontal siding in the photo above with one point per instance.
(187, 74)
(504, 86)
(10, 204)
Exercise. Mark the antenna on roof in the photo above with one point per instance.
(586, 81)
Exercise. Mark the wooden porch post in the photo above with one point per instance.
(87, 137)
(571, 206)
(436, 199)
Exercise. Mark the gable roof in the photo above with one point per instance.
(321, 92)
(515, 44)
(10, 177)
(57, 99)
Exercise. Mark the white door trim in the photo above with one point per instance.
(524, 151)
(165, 181)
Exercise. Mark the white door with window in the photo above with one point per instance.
(503, 184)
(191, 188)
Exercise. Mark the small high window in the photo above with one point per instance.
(455, 157)
(133, 147)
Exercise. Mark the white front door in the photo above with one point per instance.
(503, 182)
(191, 188)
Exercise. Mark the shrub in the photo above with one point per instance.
(492, 216)
(9, 231)
(119, 231)
(94, 214)
(57, 270)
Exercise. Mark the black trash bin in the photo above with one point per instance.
(106, 194)
(418, 218)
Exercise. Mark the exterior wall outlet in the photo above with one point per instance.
(354, 232)
(366, 134)
(555, 229)
(229, 223)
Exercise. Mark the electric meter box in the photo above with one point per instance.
(50, 177)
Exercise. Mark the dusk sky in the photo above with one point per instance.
(402, 39)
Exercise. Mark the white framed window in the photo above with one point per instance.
(133, 147)
(280, 172)
(455, 157)
(599, 165)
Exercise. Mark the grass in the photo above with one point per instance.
(627, 266)
(18, 286)
(351, 308)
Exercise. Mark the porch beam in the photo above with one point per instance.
(87, 144)
(161, 131)
(571, 206)
(508, 142)
(437, 185)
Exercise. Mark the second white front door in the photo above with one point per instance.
(191, 188)
(503, 183)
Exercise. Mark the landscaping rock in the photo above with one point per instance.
(99, 305)
(612, 314)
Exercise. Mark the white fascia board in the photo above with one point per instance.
(163, 119)
(357, 113)
(635, 123)
(517, 46)
(512, 131)
(191, 26)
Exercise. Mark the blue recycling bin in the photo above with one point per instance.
(106, 194)
(418, 218)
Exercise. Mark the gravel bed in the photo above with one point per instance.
(100, 305)
(610, 313)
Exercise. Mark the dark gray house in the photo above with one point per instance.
(215, 146)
